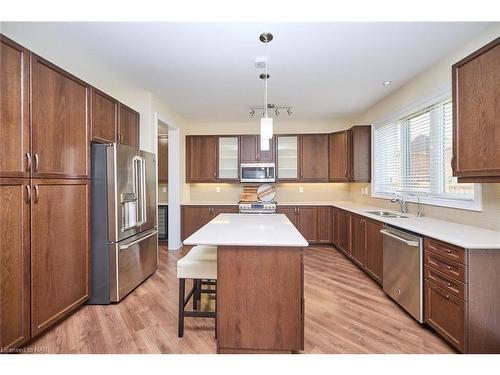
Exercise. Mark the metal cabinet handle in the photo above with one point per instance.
(36, 162)
(28, 193)
(28, 161)
(36, 194)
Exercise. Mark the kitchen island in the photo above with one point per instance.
(260, 282)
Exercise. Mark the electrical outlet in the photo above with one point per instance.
(301, 189)
(164, 189)
(217, 189)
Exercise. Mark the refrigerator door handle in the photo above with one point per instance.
(125, 247)
(143, 192)
(139, 188)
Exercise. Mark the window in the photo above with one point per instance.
(412, 157)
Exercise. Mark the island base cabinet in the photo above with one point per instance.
(59, 249)
(260, 299)
(14, 262)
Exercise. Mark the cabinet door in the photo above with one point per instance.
(290, 212)
(163, 159)
(325, 225)
(476, 109)
(14, 109)
(268, 155)
(224, 210)
(287, 157)
(339, 170)
(104, 117)
(446, 314)
(14, 262)
(59, 249)
(201, 158)
(249, 148)
(358, 240)
(374, 250)
(129, 121)
(359, 140)
(314, 157)
(193, 218)
(228, 158)
(308, 223)
(60, 128)
(342, 230)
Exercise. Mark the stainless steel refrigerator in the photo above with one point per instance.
(124, 232)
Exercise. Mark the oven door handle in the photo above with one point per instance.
(400, 239)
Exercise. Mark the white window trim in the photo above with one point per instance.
(475, 204)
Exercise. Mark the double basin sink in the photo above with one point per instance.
(387, 214)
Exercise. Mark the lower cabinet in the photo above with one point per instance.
(60, 225)
(358, 240)
(374, 264)
(341, 231)
(196, 216)
(14, 262)
(325, 227)
(308, 223)
(313, 222)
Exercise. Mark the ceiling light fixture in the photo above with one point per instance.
(387, 83)
(266, 123)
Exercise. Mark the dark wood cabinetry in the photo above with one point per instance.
(250, 151)
(341, 231)
(374, 264)
(59, 249)
(290, 212)
(15, 155)
(314, 157)
(350, 155)
(358, 240)
(476, 109)
(325, 227)
(163, 160)
(104, 117)
(60, 129)
(128, 129)
(194, 217)
(14, 262)
(308, 223)
(201, 158)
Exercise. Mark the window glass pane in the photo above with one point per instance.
(418, 137)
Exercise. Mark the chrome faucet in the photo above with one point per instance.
(402, 203)
(420, 212)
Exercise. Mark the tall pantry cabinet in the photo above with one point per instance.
(44, 193)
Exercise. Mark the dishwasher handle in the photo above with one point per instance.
(400, 239)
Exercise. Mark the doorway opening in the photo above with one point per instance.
(167, 149)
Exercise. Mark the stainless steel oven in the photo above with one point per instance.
(258, 172)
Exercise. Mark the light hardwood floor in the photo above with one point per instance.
(346, 312)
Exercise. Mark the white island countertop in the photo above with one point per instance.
(248, 230)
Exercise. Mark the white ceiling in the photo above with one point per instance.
(205, 71)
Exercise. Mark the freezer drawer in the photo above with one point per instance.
(403, 270)
(131, 262)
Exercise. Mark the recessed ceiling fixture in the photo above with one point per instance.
(387, 83)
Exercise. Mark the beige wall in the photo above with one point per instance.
(426, 83)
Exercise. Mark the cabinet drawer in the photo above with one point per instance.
(452, 286)
(446, 250)
(448, 267)
(446, 314)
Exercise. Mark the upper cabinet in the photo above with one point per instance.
(476, 110)
(14, 110)
(250, 150)
(314, 157)
(60, 128)
(287, 157)
(201, 158)
(350, 155)
(163, 159)
(128, 130)
(104, 117)
(228, 158)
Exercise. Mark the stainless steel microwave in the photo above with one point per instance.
(258, 172)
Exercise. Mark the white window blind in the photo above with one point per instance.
(412, 155)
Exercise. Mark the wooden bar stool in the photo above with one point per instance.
(200, 264)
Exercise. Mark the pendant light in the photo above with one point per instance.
(266, 123)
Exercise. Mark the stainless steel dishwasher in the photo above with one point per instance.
(403, 269)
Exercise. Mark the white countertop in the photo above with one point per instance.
(465, 236)
(248, 230)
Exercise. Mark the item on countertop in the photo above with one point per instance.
(266, 193)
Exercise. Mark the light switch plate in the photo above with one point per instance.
(301, 189)
(217, 189)
(164, 189)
